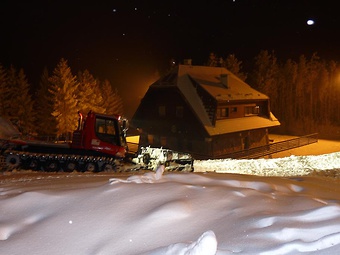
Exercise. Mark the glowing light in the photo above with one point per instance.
(310, 22)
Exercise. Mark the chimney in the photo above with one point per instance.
(224, 80)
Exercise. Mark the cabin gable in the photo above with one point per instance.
(206, 111)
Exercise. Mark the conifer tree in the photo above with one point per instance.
(45, 121)
(26, 112)
(213, 60)
(63, 89)
(12, 91)
(89, 95)
(4, 93)
(334, 109)
(285, 103)
(112, 102)
(302, 87)
(265, 72)
(21, 111)
(231, 63)
(235, 66)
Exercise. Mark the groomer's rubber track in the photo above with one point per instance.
(10, 160)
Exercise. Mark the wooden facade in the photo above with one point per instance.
(206, 111)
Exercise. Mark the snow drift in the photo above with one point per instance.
(172, 213)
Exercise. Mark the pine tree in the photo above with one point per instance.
(287, 93)
(112, 102)
(26, 112)
(334, 70)
(63, 89)
(4, 93)
(45, 122)
(235, 66)
(21, 110)
(89, 95)
(215, 61)
(12, 92)
(265, 72)
(231, 63)
(301, 111)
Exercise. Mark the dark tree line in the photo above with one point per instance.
(304, 94)
(52, 109)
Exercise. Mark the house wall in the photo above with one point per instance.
(209, 148)
(165, 119)
(229, 143)
(194, 146)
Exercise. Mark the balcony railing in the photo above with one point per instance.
(259, 152)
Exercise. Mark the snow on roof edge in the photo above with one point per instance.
(241, 124)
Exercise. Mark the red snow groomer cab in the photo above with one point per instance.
(105, 134)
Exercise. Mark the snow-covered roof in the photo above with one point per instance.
(189, 92)
(222, 85)
(240, 124)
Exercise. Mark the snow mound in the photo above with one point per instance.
(165, 214)
(206, 244)
(149, 177)
(288, 166)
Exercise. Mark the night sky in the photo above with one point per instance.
(126, 41)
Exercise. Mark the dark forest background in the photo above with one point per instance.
(304, 94)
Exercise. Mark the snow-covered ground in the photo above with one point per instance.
(179, 213)
(323, 155)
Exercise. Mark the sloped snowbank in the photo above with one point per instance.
(203, 213)
(160, 213)
(288, 166)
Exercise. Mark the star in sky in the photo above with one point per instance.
(93, 34)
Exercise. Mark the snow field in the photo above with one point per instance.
(266, 206)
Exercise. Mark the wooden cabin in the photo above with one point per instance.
(205, 111)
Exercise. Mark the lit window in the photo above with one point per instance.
(225, 112)
(222, 113)
(105, 126)
(252, 110)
